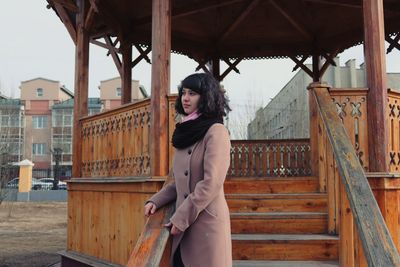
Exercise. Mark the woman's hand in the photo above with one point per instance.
(174, 229)
(149, 209)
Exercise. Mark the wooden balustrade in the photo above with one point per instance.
(351, 106)
(393, 111)
(270, 158)
(115, 143)
(353, 211)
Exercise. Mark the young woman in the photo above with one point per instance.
(200, 225)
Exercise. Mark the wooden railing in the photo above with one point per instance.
(154, 245)
(393, 111)
(353, 210)
(351, 106)
(270, 158)
(115, 143)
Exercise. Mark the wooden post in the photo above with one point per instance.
(315, 67)
(375, 64)
(215, 68)
(126, 78)
(81, 86)
(160, 79)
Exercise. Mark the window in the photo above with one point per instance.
(39, 149)
(39, 92)
(39, 122)
(118, 91)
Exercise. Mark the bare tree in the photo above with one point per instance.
(241, 115)
(11, 140)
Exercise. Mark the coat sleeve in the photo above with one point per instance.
(216, 164)
(165, 195)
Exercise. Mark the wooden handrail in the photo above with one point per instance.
(152, 244)
(379, 248)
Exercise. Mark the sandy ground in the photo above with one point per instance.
(32, 233)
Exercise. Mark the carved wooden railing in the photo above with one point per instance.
(115, 143)
(353, 210)
(270, 158)
(154, 245)
(393, 111)
(351, 106)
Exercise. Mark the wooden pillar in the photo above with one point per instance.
(375, 64)
(126, 78)
(81, 86)
(315, 66)
(215, 68)
(160, 79)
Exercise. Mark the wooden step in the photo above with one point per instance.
(279, 223)
(307, 202)
(284, 247)
(285, 263)
(273, 185)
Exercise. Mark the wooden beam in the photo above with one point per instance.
(375, 65)
(292, 21)
(142, 56)
(114, 55)
(70, 5)
(202, 65)
(144, 53)
(126, 78)
(81, 87)
(303, 59)
(89, 20)
(245, 12)
(232, 66)
(336, 3)
(190, 10)
(302, 66)
(65, 18)
(107, 14)
(160, 82)
(393, 43)
(329, 61)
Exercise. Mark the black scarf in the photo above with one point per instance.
(189, 132)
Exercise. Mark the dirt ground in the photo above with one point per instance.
(32, 233)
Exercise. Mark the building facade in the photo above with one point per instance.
(286, 116)
(33, 126)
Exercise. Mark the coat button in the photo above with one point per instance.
(185, 195)
(189, 151)
(186, 173)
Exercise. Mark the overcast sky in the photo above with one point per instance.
(34, 43)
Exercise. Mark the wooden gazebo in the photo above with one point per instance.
(122, 156)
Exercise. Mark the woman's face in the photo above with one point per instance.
(190, 100)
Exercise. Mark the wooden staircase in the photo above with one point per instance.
(280, 221)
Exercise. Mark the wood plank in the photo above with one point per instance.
(271, 185)
(284, 247)
(347, 235)
(160, 77)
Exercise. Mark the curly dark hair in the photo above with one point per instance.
(213, 102)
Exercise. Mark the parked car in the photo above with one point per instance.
(36, 184)
(49, 183)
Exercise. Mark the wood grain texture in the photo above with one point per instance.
(160, 79)
(81, 87)
(106, 223)
(375, 65)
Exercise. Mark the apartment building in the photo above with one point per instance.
(42, 119)
(286, 116)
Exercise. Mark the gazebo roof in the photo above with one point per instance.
(202, 29)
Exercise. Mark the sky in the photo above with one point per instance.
(35, 44)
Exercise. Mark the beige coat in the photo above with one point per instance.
(201, 210)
